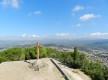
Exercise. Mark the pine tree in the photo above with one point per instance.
(76, 59)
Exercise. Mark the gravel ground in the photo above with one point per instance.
(19, 70)
(72, 75)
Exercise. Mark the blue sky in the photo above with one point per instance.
(54, 18)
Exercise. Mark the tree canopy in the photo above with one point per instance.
(74, 59)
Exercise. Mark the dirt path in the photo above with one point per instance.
(71, 74)
(19, 70)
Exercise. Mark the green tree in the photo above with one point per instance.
(43, 52)
(27, 55)
(76, 59)
(23, 52)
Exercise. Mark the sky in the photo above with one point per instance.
(36, 19)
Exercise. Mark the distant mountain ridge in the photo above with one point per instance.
(69, 43)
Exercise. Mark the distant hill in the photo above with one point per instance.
(60, 43)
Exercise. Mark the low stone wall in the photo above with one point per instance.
(64, 75)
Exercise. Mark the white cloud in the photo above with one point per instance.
(73, 14)
(99, 34)
(88, 16)
(10, 3)
(35, 36)
(62, 34)
(15, 3)
(65, 35)
(78, 25)
(5, 3)
(29, 36)
(78, 8)
(37, 12)
(24, 35)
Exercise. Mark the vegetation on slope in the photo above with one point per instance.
(75, 59)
